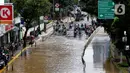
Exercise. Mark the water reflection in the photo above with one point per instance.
(101, 50)
(96, 56)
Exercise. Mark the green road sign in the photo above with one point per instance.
(105, 9)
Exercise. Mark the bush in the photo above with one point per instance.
(124, 64)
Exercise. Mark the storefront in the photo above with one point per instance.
(2, 31)
(9, 34)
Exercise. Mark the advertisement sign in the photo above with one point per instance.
(8, 27)
(6, 14)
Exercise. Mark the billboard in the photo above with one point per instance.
(6, 14)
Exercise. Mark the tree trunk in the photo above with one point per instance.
(39, 28)
(24, 38)
(127, 58)
(121, 57)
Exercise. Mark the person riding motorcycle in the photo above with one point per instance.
(64, 30)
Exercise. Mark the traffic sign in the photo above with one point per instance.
(6, 14)
(57, 5)
(46, 19)
(57, 9)
(119, 9)
(106, 9)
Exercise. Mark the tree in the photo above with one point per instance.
(30, 10)
(90, 6)
(116, 27)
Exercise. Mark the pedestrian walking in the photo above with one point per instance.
(82, 27)
(70, 26)
(75, 32)
(89, 32)
(59, 29)
(85, 30)
(64, 29)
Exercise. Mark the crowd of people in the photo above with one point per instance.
(77, 28)
(61, 29)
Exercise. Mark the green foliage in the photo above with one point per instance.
(124, 64)
(116, 27)
(65, 3)
(90, 6)
(30, 10)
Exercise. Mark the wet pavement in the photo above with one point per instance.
(57, 54)
(61, 54)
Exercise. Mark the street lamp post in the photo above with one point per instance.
(78, 2)
(127, 48)
(124, 39)
(53, 8)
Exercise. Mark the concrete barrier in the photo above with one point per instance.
(91, 37)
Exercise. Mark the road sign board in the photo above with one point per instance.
(119, 9)
(6, 14)
(57, 9)
(46, 19)
(57, 5)
(105, 9)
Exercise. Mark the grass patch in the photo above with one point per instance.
(124, 64)
(123, 67)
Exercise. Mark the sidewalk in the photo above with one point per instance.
(43, 34)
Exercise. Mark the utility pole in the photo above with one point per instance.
(53, 8)
(78, 2)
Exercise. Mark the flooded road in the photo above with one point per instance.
(57, 54)
(60, 54)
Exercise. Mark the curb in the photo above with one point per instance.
(87, 43)
(91, 37)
